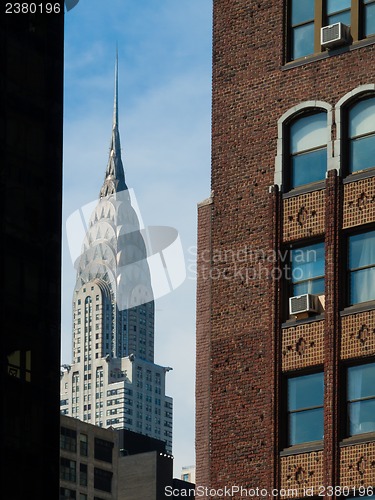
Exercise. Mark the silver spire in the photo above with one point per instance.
(114, 181)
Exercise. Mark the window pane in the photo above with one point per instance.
(362, 117)
(307, 262)
(362, 250)
(362, 153)
(369, 21)
(305, 391)
(362, 285)
(362, 417)
(342, 17)
(302, 41)
(306, 426)
(308, 132)
(315, 287)
(308, 167)
(302, 11)
(361, 381)
(337, 5)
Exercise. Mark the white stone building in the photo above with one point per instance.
(113, 380)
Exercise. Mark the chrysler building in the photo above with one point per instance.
(113, 380)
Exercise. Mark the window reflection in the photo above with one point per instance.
(305, 408)
(361, 399)
(308, 149)
(19, 365)
(302, 25)
(368, 17)
(338, 11)
(361, 129)
(307, 269)
(361, 264)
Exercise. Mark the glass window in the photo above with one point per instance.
(68, 439)
(338, 11)
(368, 10)
(307, 17)
(305, 408)
(308, 149)
(103, 450)
(302, 28)
(102, 480)
(83, 444)
(361, 399)
(66, 493)
(67, 469)
(83, 474)
(307, 269)
(361, 267)
(362, 135)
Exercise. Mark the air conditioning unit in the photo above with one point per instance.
(334, 35)
(306, 303)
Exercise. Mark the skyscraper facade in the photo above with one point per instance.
(113, 380)
(286, 252)
(31, 126)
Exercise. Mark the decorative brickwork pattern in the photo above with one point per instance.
(304, 216)
(302, 471)
(358, 335)
(302, 346)
(359, 202)
(357, 465)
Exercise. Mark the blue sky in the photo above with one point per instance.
(164, 113)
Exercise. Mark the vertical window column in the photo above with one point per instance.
(301, 28)
(361, 399)
(361, 267)
(307, 269)
(338, 11)
(308, 150)
(305, 408)
(368, 12)
(361, 135)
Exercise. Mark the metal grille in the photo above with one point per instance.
(331, 33)
(299, 304)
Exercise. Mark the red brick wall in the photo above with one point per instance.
(202, 389)
(251, 91)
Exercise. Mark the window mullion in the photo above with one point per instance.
(359, 400)
(354, 29)
(319, 4)
(308, 408)
(363, 268)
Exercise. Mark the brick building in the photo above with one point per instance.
(287, 401)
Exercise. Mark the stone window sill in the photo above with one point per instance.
(326, 54)
(296, 322)
(357, 176)
(302, 448)
(307, 188)
(358, 308)
(369, 437)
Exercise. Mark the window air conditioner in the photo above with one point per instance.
(334, 35)
(305, 303)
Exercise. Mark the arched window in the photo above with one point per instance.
(307, 162)
(361, 135)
